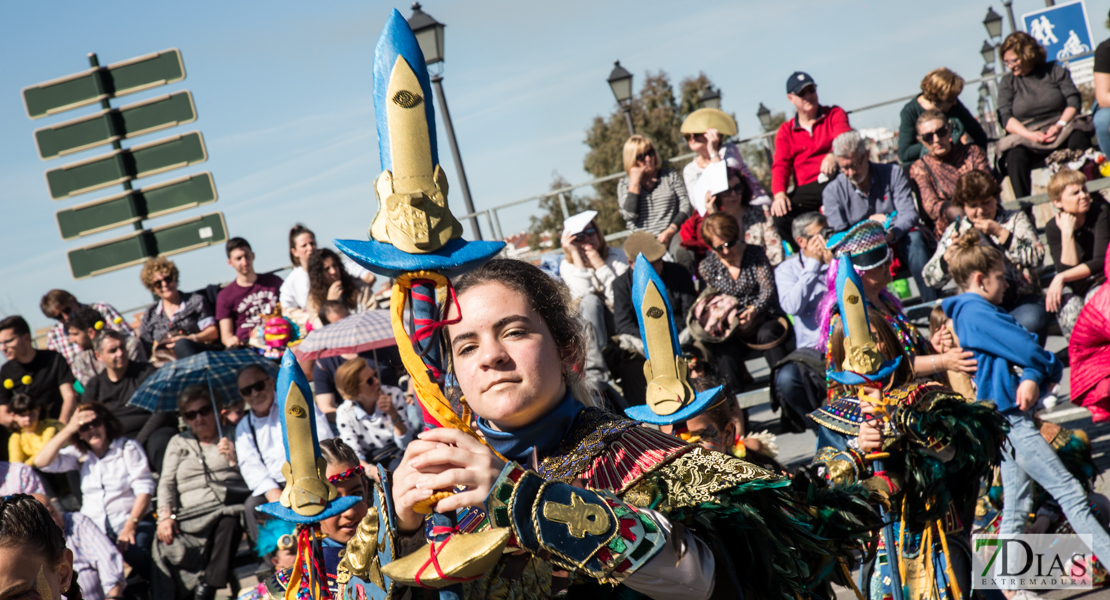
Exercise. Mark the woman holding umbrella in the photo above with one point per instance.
(200, 504)
(116, 485)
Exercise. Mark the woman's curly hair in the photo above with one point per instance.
(318, 284)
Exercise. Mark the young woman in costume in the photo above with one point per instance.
(516, 351)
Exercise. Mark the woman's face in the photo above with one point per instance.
(985, 209)
(93, 432)
(875, 280)
(1075, 200)
(25, 576)
(936, 135)
(201, 419)
(331, 270)
(697, 143)
(649, 159)
(728, 201)
(303, 246)
(729, 251)
(369, 386)
(505, 357)
(341, 528)
(1015, 65)
(164, 285)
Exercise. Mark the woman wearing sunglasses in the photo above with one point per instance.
(740, 307)
(589, 268)
(182, 321)
(755, 221)
(940, 91)
(200, 504)
(116, 485)
(936, 173)
(653, 197)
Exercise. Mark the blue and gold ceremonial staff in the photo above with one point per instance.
(416, 241)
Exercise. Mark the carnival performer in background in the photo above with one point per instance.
(869, 255)
(920, 447)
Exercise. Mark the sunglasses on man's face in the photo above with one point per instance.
(699, 137)
(807, 90)
(203, 411)
(64, 313)
(253, 388)
(372, 380)
(726, 246)
(941, 133)
(87, 427)
(640, 157)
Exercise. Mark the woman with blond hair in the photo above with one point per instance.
(653, 197)
(183, 321)
(940, 90)
(1038, 105)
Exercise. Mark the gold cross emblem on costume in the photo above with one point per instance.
(579, 517)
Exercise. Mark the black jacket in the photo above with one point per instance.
(680, 289)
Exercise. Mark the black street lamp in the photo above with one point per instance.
(429, 34)
(988, 52)
(620, 80)
(710, 98)
(993, 23)
(764, 115)
(988, 70)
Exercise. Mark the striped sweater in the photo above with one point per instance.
(653, 210)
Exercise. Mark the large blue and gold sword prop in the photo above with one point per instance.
(416, 241)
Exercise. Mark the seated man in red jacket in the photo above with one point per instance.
(803, 148)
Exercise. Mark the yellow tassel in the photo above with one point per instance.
(948, 563)
(428, 391)
(98, 325)
(848, 577)
(901, 542)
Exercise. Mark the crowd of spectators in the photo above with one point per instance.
(167, 497)
(747, 270)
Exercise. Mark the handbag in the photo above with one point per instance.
(713, 319)
(161, 354)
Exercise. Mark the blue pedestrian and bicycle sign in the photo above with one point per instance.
(1063, 30)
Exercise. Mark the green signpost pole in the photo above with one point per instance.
(122, 165)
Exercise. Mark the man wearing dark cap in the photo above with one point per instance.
(803, 148)
(680, 291)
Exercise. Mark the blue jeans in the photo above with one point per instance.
(1034, 460)
(913, 249)
(791, 384)
(138, 555)
(1029, 312)
(1102, 128)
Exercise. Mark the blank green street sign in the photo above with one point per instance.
(127, 164)
(98, 83)
(136, 205)
(115, 124)
(135, 248)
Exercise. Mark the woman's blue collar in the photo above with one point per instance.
(543, 435)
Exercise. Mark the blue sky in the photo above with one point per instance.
(283, 94)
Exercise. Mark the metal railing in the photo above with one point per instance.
(494, 220)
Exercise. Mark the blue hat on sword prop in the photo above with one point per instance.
(308, 497)
(670, 399)
(414, 228)
(863, 364)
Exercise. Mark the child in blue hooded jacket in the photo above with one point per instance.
(1002, 347)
